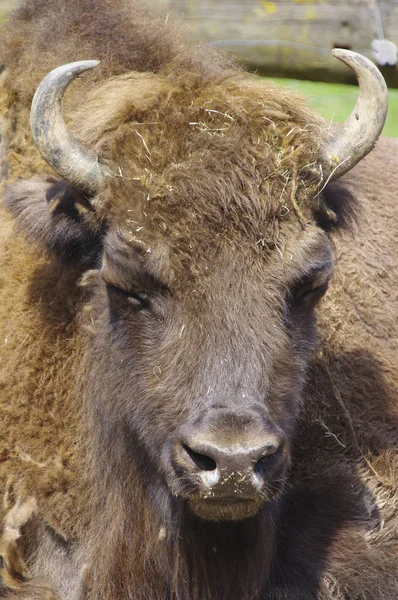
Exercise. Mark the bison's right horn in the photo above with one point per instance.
(55, 143)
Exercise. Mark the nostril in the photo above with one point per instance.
(203, 462)
(265, 461)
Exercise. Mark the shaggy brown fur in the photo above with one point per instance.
(210, 205)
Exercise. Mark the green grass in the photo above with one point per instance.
(336, 101)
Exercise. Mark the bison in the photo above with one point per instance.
(184, 416)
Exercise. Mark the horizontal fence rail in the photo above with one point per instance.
(293, 38)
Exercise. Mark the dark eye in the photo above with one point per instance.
(136, 300)
(308, 295)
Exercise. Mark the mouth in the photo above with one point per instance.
(224, 509)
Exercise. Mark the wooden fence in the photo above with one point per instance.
(293, 38)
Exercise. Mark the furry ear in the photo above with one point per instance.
(57, 218)
(337, 206)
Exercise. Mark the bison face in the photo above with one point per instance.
(198, 362)
(202, 332)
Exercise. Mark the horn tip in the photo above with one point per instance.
(337, 52)
(92, 63)
(343, 54)
(81, 65)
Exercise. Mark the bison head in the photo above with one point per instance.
(204, 226)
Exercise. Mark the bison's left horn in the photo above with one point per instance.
(55, 143)
(358, 135)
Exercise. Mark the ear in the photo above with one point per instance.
(57, 218)
(337, 206)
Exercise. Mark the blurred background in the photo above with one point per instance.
(291, 41)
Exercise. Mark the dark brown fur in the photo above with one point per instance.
(210, 204)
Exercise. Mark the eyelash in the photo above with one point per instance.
(137, 300)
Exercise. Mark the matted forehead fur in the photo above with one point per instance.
(231, 160)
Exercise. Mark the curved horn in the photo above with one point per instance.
(55, 143)
(358, 135)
